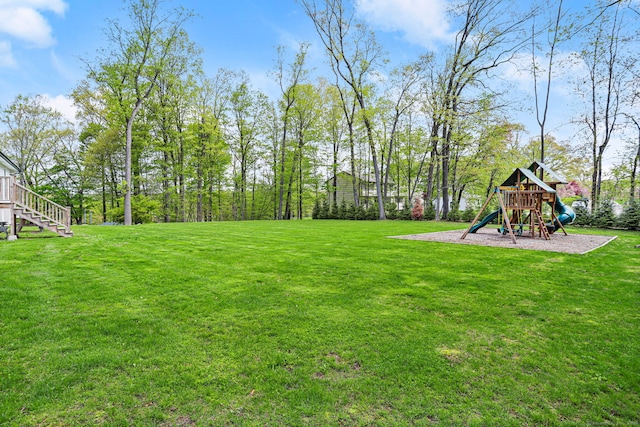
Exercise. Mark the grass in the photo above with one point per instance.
(314, 323)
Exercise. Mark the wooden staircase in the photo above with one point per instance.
(28, 206)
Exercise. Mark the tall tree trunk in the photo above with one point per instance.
(634, 168)
(387, 167)
(283, 147)
(166, 204)
(127, 162)
(289, 194)
(374, 160)
(446, 153)
(104, 193)
(300, 186)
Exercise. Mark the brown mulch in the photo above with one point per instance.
(571, 244)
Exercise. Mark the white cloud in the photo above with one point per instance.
(62, 104)
(6, 56)
(566, 67)
(23, 20)
(57, 6)
(421, 21)
(518, 70)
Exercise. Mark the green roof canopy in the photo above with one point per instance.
(520, 174)
(547, 170)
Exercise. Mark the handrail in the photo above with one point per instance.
(38, 204)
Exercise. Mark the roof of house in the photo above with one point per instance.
(521, 174)
(5, 161)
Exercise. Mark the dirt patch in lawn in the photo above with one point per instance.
(571, 244)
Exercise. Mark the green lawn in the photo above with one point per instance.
(314, 323)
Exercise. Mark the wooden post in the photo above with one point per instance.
(13, 230)
(67, 219)
(479, 213)
(505, 214)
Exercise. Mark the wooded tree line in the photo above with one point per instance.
(159, 140)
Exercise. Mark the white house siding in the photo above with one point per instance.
(6, 170)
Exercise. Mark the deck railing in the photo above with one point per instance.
(23, 198)
(6, 188)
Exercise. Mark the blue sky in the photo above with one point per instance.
(43, 43)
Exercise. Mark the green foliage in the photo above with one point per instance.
(143, 210)
(351, 211)
(583, 217)
(315, 214)
(630, 218)
(603, 216)
(391, 211)
(468, 214)
(372, 212)
(360, 213)
(405, 213)
(334, 212)
(454, 215)
(324, 209)
(429, 212)
(342, 210)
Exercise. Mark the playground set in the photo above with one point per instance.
(522, 197)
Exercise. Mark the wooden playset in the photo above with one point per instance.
(522, 197)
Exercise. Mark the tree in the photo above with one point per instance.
(605, 74)
(541, 112)
(131, 67)
(334, 129)
(34, 133)
(635, 164)
(210, 145)
(490, 36)
(354, 54)
(404, 85)
(288, 81)
(305, 115)
(248, 114)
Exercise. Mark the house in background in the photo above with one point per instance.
(19, 205)
(366, 191)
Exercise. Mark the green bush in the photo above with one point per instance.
(468, 214)
(405, 213)
(143, 210)
(324, 210)
(316, 210)
(454, 215)
(334, 212)
(603, 216)
(583, 217)
(429, 213)
(372, 212)
(351, 211)
(630, 218)
(391, 211)
(342, 210)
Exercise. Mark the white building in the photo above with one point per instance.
(7, 169)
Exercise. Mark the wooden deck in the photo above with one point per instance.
(26, 206)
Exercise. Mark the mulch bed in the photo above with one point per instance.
(571, 244)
